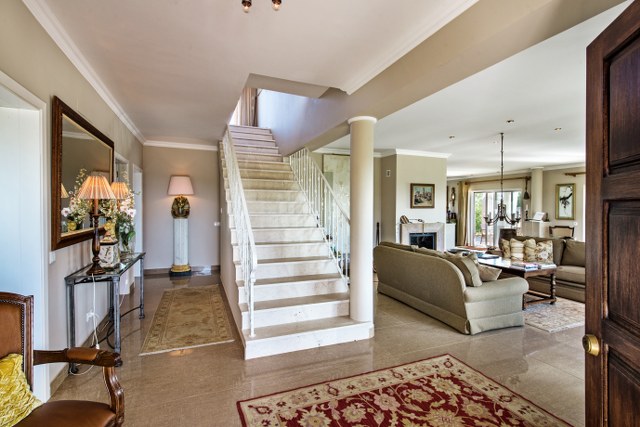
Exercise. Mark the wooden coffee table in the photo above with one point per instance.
(540, 297)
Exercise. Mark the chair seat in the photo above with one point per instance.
(68, 413)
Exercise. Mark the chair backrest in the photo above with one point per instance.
(16, 318)
(561, 231)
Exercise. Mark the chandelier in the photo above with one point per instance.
(501, 215)
(246, 5)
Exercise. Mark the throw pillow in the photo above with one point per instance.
(16, 399)
(574, 253)
(467, 267)
(538, 252)
(505, 247)
(488, 273)
(517, 249)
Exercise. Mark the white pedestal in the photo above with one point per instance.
(180, 247)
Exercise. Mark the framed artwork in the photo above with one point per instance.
(423, 196)
(565, 201)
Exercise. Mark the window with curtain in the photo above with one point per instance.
(484, 203)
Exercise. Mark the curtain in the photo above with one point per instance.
(463, 210)
(248, 107)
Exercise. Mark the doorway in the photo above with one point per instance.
(24, 162)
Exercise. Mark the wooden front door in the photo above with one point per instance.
(613, 224)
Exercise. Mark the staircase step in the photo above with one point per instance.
(288, 267)
(259, 157)
(249, 129)
(258, 207)
(270, 250)
(265, 174)
(304, 335)
(274, 195)
(269, 184)
(294, 287)
(263, 165)
(290, 234)
(291, 310)
(250, 142)
(282, 220)
(257, 150)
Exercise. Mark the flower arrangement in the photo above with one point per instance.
(78, 208)
(121, 213)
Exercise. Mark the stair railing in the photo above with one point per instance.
(244, 233)
(326, 208)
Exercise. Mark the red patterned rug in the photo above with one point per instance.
(441, 391)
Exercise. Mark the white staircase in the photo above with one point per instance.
(300, 298)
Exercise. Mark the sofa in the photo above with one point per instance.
(438, 285)
(569, 257)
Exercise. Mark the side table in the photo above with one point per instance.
(112, 277)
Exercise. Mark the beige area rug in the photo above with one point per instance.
(564, 314)
(186, 318)
(437, 392)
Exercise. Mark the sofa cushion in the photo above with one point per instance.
(538, 251)
(505, 247)
(517, 250)
(468, 267)
(488, 273)
(571, 273)
(429, 252)
(397, 246)
(574, 254)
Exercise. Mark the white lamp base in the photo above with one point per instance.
(180, 265)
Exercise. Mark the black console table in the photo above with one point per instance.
(112, 276)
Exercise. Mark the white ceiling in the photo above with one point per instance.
(541, 89)
(174, 69)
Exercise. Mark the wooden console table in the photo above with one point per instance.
(112, 276)
(505, 266)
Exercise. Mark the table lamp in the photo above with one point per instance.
(95, 187)
(180, 186)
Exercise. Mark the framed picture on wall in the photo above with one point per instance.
(423, 196)
(565, 201)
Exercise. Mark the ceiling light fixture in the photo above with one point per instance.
(501, 214)
(246, 5)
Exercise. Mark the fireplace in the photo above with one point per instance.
(423, 240)
(435, 229)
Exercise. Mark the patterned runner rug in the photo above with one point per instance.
(564, 314)
(441, 391)
(186, 318)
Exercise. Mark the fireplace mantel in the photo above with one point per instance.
(423, 227)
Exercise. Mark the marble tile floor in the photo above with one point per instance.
(200, 387)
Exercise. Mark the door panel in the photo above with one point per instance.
(612, 380)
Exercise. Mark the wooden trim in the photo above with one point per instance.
(516, 178)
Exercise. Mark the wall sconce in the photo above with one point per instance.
(95, 187)
(180, 186)
(453, 196)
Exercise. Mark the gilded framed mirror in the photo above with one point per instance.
(78, 150)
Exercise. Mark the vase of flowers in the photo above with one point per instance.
(122, 213)
(78, 209)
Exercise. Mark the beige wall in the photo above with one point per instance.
(202, 167)
(31, 58)
(395, 198)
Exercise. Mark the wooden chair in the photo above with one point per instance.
(16, 318)
(565, 231)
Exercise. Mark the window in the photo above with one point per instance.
(485, 203)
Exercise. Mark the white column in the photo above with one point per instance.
(180, 246)
(536, 191)
(361, 218)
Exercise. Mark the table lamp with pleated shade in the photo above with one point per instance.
(95, 187)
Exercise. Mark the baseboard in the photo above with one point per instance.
(195, 269)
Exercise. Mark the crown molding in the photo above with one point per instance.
(41, 11)
(180, 145)
(404, 47)
(415, 153)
